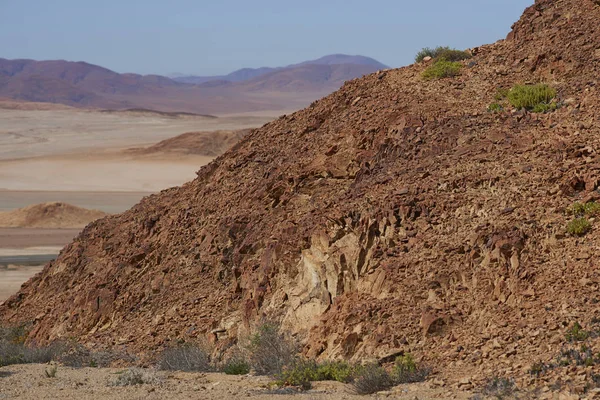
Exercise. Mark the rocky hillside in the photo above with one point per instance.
(396, 214)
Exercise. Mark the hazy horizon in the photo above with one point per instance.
(206, 38)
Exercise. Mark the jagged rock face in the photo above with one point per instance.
(394, 215)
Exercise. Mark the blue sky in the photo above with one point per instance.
(218, 36)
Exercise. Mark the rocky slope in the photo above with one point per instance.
(396, 214)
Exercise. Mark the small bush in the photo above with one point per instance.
(236, 366)
(590, 209)
(407, 371)
(78, 356)
(577, 333)
(135, 376)
(539, 368)
(186, 357)
(442, 52)
(501, 94)
(17, 353)
(499, 388)
(337, 371)
(372, 378)
(302, 372)
(582, 357)
(536, 98)
(442, 69)
(270, 350)
(495, 108)
(579, 226)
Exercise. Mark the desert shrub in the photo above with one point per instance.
(372, 378)
(590, 209)
(406, 370)
(501, 94)
(13, 349)
(579, 226)
(442, 69)
(582, 356)
(185, 357)
(302, 372)
(576, 333)
(236, 366)
(442, 52)
(495, 108)
(270, 351)
(78, 356)
(535, 98)
(337, 371)
(135, 376)
(538, 368)
(499, 388)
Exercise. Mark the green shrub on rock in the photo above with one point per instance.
(534, 98)
(440, 52)
(442, 69)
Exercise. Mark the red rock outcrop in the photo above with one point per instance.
(394, 215)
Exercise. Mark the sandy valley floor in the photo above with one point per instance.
(30, 382)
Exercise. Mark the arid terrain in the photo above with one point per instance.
(436, 222)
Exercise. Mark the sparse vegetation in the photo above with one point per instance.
(534, 98)
(13, 349)
(442, 52)
(499, 388)
(302, 372)
(185, 357)
(135, 376)
(495, 108)
(579, 226)
(588, 209)
(407, 371)
(78, 356)
(270, 351)
(582, 356)
(236, 366)
(539, 368)
(576, 333)
(442, 68)
(372, 378)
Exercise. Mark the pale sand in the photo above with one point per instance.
(12, 278)
(30, 382)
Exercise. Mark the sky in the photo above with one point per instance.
(219, 36)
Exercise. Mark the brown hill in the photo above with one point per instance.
(49, 215)
(397, 214)
(80, 84)
(210, 144)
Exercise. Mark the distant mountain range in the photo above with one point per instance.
(80, 84)
(250, 73)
